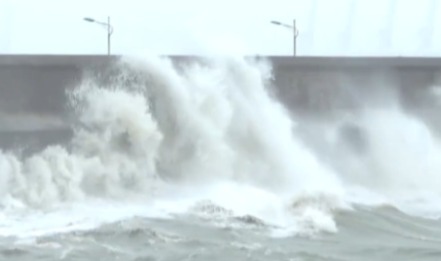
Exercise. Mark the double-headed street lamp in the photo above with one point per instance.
(107, 25)
(295, 33)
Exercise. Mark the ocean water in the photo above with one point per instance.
(202, 162)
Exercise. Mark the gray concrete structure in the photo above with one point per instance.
(37, 83)
(32, 87)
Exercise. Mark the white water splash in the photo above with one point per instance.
(171, 136)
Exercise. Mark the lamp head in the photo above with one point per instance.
(88, 19)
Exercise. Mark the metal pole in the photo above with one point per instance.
(295, 33)
(295, 37)
(109, 33)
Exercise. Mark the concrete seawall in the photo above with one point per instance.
(35, 85)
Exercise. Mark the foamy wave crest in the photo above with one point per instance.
(386, 156)
(401, 164)
(192, 125)
(225, 123)
(113, 152)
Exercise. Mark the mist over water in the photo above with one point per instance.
(210, 139)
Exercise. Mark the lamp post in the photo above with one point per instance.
(107, 25)
(295, 33)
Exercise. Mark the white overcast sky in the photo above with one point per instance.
(327, 27)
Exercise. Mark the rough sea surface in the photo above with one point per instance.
(202, 162)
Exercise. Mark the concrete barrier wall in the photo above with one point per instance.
(36, 84)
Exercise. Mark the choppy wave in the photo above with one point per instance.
(157, 139)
